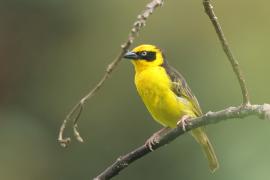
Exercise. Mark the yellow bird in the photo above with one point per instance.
(167, 96)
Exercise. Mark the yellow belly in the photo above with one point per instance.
(154, 87)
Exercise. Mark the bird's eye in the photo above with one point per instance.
(144, 53)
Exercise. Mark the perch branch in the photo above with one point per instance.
(225, 45)
(78, 108)
(261, 111)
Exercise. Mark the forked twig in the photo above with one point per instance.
(77, 109)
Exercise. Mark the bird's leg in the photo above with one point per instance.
(184, 121)
(155, 138)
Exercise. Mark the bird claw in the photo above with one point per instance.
(152, 141)
(183, 122)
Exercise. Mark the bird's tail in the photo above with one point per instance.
(203, 140)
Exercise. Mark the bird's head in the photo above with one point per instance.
(145, 56)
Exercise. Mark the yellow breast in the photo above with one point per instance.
(154, 87)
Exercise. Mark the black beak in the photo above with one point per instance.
(131, 55)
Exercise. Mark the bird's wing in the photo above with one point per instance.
(181, 89)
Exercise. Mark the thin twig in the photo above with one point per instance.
(261, 111)
(235, 65)
(77, 109)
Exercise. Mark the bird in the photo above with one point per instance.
(167, 97)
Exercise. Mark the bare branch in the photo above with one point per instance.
(235, 65)
(261, 111)
(77, 109)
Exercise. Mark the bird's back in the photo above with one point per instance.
(181, 88)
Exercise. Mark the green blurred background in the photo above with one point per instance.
(53, 51)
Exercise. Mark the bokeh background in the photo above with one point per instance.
(52, 52)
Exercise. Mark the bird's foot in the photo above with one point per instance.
(155, 138)
(183, 122)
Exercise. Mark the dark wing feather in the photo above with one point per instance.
(180, 87)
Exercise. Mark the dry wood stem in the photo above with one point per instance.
(76, 111)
